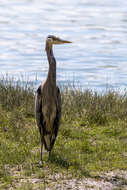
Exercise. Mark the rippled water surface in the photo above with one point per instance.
(97, 58)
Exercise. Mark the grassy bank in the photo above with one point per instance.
(92, 136)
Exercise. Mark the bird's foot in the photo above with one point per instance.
(40, 163)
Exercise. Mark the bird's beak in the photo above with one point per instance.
(61, 41)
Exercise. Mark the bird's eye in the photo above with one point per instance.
(49, 39)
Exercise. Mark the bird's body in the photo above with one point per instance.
(48, 101)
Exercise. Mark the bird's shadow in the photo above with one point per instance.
(59, 160)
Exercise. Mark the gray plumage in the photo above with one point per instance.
(48, 100)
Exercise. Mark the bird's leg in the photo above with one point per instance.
(41, 150)
(49, 154)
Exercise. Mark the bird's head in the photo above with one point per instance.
(50, 40)
(56, 40)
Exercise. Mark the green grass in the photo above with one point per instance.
(92, 136)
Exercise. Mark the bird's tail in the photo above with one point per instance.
(49, 142)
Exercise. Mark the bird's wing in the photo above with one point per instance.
(38, 109)
(59, 108)
(58, 117)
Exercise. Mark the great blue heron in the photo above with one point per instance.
(48, 100)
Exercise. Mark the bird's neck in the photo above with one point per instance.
(52, 66)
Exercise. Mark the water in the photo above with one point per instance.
(97, 58)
